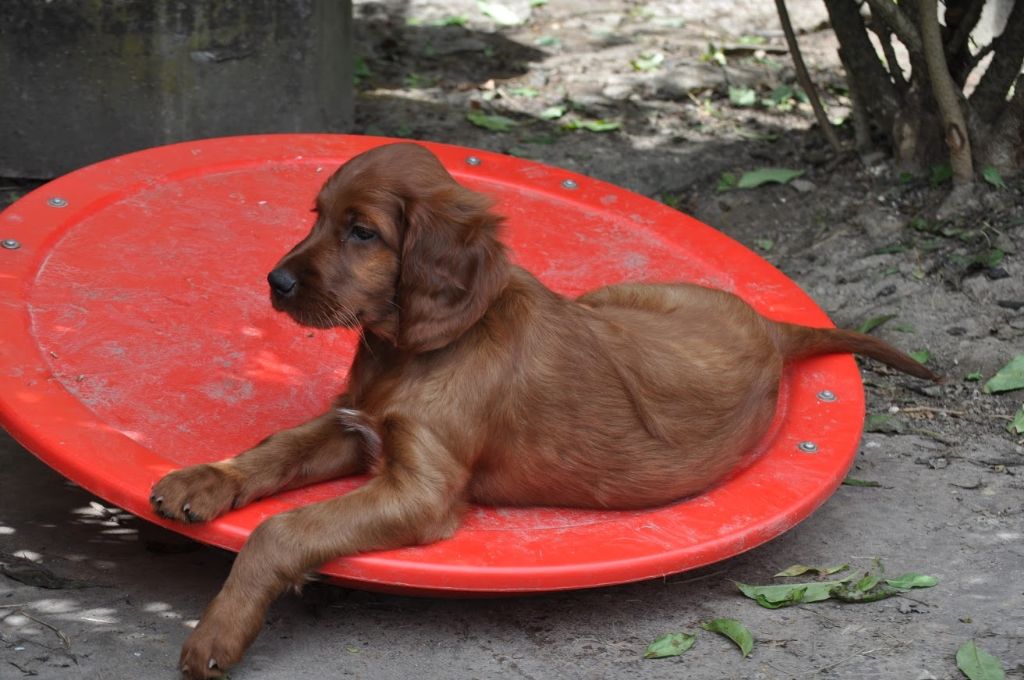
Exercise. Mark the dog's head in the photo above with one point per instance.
(399, 248)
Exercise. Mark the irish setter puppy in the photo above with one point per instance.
(475, 383)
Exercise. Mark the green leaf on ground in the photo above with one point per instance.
(726, 182)
(990, 257)
(977, 664)
(850, 481)
(868, 582)
(993, 177)
(921, 356)
(591, 125)
(1010, 377)
(670, 644)
(854, 595)
(600, 125)
(714, 54)
(912, 580)
(734, 630)
(756, 178)
(765, 244)
(1016, 426)
(523, 91)
(554, 112)
(874, 322)
(783, 98)
(973, 376)
(742, 96)
(883, 423)
(800, 569)
(869, 588)
(490, 121)
(941, 174)
(647, 61)
(753, 40)
(786, 595)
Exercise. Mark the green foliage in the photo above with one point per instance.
(670, 644)
(488, 121)
(977, 664)
(1010, 377)
(734, 630)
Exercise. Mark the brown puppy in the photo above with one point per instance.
(475, 383)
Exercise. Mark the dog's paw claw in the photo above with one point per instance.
(195, 494)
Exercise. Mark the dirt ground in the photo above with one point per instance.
(118, 594)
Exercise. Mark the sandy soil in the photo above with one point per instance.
(858, 238)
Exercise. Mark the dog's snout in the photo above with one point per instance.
(282, 281)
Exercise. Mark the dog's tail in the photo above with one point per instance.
(796, 342)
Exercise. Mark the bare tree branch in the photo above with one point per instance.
(989, 98)
(977, 58)
(945, 92)
(964, 26)
(891, 14)
(804, 78)
(895, 70)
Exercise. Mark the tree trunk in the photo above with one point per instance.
(989, 98)
(946, 95)
(876, 90)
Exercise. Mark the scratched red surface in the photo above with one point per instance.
(138, 338)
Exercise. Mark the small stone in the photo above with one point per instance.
(803, 185)
(872, 158)
(996, 273)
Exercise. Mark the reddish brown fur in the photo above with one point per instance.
(475, 383)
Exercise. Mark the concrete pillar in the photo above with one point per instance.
(81, 81)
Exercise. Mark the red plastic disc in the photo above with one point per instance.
(138, 337)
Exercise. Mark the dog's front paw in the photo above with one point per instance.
(195, 494)
(218, 642)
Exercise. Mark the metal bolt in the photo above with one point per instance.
(569, 184)
(472, 160)
(10, 244)
(827, 395)
(58, 202)
(808, 447)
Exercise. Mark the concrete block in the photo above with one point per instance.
(83, 81)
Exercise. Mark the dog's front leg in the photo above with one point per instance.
(415, 498)
(320, 449)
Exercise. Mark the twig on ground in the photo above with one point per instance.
(63, 638)
(863, 652)
(931, 409)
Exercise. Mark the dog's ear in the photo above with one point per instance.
(452, 269)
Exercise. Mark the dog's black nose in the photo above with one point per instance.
(282, 281)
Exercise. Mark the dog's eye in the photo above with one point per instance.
(362, 233)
